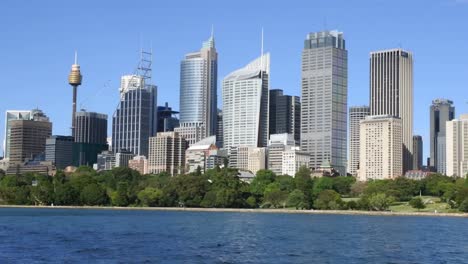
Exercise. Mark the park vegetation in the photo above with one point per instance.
(221, 188)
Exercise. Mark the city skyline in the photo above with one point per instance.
(98, 67)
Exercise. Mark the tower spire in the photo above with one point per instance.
(76, 57)
(212, 31)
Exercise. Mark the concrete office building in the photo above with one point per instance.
(381, 151)
(293, 159)
(90, 137)
(285, 114)
(278, 144)
(245, 105)
(135, 119)
(219, 130)
(248, 158)
(417, 152)
(391, 93)
(196, 155)
(27, 138)
(139, 163)
(457, 146)
(356, 114)
(122, 158)
(167, 153)
(13, 115)
(198, 92)
(441, 111)
(59, 151)
(325, 99)
(105, 161)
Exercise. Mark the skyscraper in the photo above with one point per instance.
(417, 152)
(90, 137)
(198, 90)
(391, 93)
(325, 99)
(59, 150)
(13, 115)
(356, 114)
(167, 120)
(442, 110)
(28, 137)
(135, 119)
(457, 146)
(167, 153)
(381, 152)
(245, 105)
(285, 114)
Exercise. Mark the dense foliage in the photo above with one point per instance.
(222, 188)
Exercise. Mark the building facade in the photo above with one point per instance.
(135, 119)
(293, 159)
(278, 144)
(325, 99)
(356, 114)
(417, 152)
(198, 90)
(13, 115)
(391, 93)
(27, 138)
(285, 114)
(245, 105)
(457, 146)
(441, 111)
(167, 153)
(167, 119)
(381, 151)
(59, 151)
(140, 164)
(90, 137)
(196, 156)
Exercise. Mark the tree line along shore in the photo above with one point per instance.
(221, 188)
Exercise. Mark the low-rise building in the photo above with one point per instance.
(167, 153)
(293, 159)
(139, 163)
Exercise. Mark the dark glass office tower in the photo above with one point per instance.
(167, 119)
(285, 114)
(90, 137)
(442, 110)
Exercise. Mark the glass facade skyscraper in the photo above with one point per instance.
(198, 91)
(135, 119)
(325, 99)
(285, 114)
(246, 104)
(441, 111)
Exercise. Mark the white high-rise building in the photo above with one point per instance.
(356, 114)
(457, 146)
(198, 92)
(391, 93)
(380, 148)
(245, 105)
(324, 97)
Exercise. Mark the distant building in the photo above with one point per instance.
(245, 105)
(417, 174)
(167, 153)
(198, 92)
(293, 159)
(248, 158)
(380, 148)
(191, 133)
(167, 119)
(277, 145)
(105, 161)
(356, 114)
(197, 155)
(139, 163)
(457, 146)
(442, 110)
(219, 130)
(417, 152)
(122, 158)
(90, 137)
(27, 138)
(13, 115)
(324, 98)
(285, 114)
(257, 159)
(59, 151)
(391, 93)
(135, 119)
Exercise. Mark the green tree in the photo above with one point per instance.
(261, 181)
(464, 206)
(274, 196)
(380, 202)
(43, 192)
(342, 185)
(150, 196)
(297, 199)
(251, 202)
(328, 200)
(120, 197)
(321, 184)
(93, 194)
(65, 194)
(417, 203)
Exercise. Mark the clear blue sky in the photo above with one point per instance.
(38, 39)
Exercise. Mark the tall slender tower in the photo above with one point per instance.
(391, 93)
(74, 79)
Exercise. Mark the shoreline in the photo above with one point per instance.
(245, 210)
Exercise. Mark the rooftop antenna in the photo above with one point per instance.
(212, 31)
(325, 23)
(261, 52)
(76, 57)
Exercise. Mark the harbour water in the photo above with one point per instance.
(29, 235)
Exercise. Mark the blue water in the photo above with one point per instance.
(119, 236)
